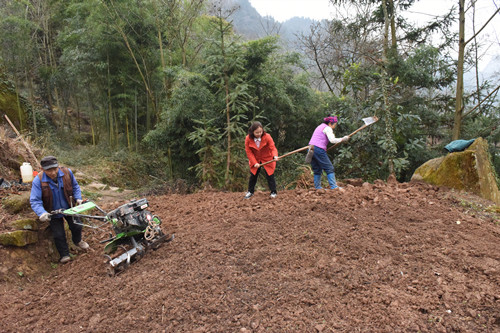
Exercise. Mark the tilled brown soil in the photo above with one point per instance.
(373, 258)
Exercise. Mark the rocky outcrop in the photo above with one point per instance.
(24, 224)
(16, 203)
(18, 238)
(469, 170)
(18, 231)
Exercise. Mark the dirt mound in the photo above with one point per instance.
(373, 258)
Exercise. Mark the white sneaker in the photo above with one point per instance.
(64, 259)
(274, 195)
(248, 195)
(83, 245)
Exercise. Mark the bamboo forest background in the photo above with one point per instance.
(166, 89)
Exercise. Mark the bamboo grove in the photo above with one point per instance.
(173, 80)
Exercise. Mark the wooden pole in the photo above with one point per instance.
(287, 154)
(22, 140)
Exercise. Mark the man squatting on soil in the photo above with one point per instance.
(320, 161)
(260, 148)
(51, 190)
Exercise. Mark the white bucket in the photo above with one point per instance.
(27, 172)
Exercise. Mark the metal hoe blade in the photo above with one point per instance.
(369, 120)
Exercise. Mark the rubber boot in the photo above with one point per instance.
(317, 182)
(331, 180)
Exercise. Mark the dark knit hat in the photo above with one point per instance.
(49, 162)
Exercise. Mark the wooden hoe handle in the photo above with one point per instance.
(287, 154)
(356, 131)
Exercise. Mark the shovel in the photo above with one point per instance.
(368, 121)
(288, 154)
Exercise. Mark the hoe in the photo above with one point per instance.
(135, 230)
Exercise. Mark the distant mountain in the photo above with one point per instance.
(296, 25)
(250, 24)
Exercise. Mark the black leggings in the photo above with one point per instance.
(253, 180)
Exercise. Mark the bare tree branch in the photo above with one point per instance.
(479, 104)
(479, 31)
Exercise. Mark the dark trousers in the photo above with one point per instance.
(253, 180)
(57, 227)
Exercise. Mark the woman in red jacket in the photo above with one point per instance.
(260, 148)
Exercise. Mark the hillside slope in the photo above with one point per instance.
(373, 258)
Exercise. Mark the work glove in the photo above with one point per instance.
(79, 202)
(345, 138)
(45, 217)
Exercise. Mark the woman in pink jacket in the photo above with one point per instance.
(323, 134)
(260, 148)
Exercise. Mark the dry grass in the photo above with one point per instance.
(14, 153)
(304, 180)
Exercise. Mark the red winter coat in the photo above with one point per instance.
(264, 153)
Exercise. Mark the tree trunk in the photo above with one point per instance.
(110, 112)
(228, 120)
(393, 25)
(129, 145)
(33, 109)
(19, 110)
(93, 132)
(476, 57)
(387, 112)
(148, 114)
(228, 108)
(77, 106)
(135, 122)
(160, 44)
(460, 73)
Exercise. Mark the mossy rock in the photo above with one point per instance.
(469, 170)
(24, 224)
(16, 203)
(18, 238)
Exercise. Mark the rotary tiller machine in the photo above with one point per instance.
(135, 231)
